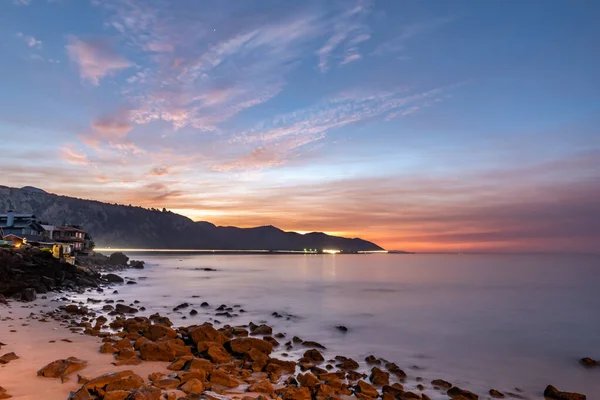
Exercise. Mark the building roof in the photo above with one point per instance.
(69, 229)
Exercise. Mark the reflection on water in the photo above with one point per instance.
(486, 320)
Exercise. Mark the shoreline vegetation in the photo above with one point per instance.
(150, 359)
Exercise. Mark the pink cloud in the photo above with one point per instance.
(95, 58)
(69, 154)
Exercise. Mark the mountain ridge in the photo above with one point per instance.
(117, 225)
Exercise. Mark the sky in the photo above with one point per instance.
(467, 126)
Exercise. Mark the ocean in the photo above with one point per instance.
(515, 323)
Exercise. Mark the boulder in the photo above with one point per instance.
(292, 393)
(259, 359)
(458, 392)
(195, 374)
(81, 394)
(347, 364)
(553, 393)
(312, 344)
(441, 383)
(166, 383)
(372, 360)
(146, 393)
(100, 382)
(129, 383)
(261, 330)
(193, 386)
(136, 264)
(158, 351)
(218, 354)
(262, 387)
(201, 364)
(118, 259)
(113, 278)
(379, 377)
(206, 333)
(308, 380)
(220, 377)
(62, 368)
(366, 389)
(496, 394)
(155, 332)
(314, 355)
(123, 309)
(243, 345)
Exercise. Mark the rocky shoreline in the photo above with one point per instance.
(205, 362)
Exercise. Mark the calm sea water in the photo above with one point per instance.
(481, 321)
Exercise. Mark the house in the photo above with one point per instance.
(25, 226)
(72, 236)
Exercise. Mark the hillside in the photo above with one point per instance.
(113, 225)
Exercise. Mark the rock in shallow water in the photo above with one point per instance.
(553, 393)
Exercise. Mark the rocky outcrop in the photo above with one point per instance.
(26, 272)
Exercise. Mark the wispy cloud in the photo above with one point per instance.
(21, 2)
(159, 171)
(96, 58)
(408, 32)
(71, 155)
(277, 139)
(348, 28)
(30, 40)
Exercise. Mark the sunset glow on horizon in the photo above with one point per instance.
(456, 126)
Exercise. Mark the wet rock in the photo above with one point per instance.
(243, 345)
(123, 309)
(113, 278)
(8, 357)
(314, 355)
(394, 390)
(379, 377)
(201, 364)
(296, 339)
(193, 312)
(440, 383)
(296, 394)
(458, 392)
(346, 364)
(261, 330)
(193, 386)
(553, 393)
(28, 295)
(220, 377)
(262, 387)
(75, 309)
(372, 360)
(146, 393)
(62, 368)
(308, 380)
(204, 304)
(496, 394)
(259, 359)
(136, 264)
(588, 362)
(366, 389)
(312, 344)
(342, 328)
(394, 369)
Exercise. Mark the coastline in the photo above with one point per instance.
(238, 363)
